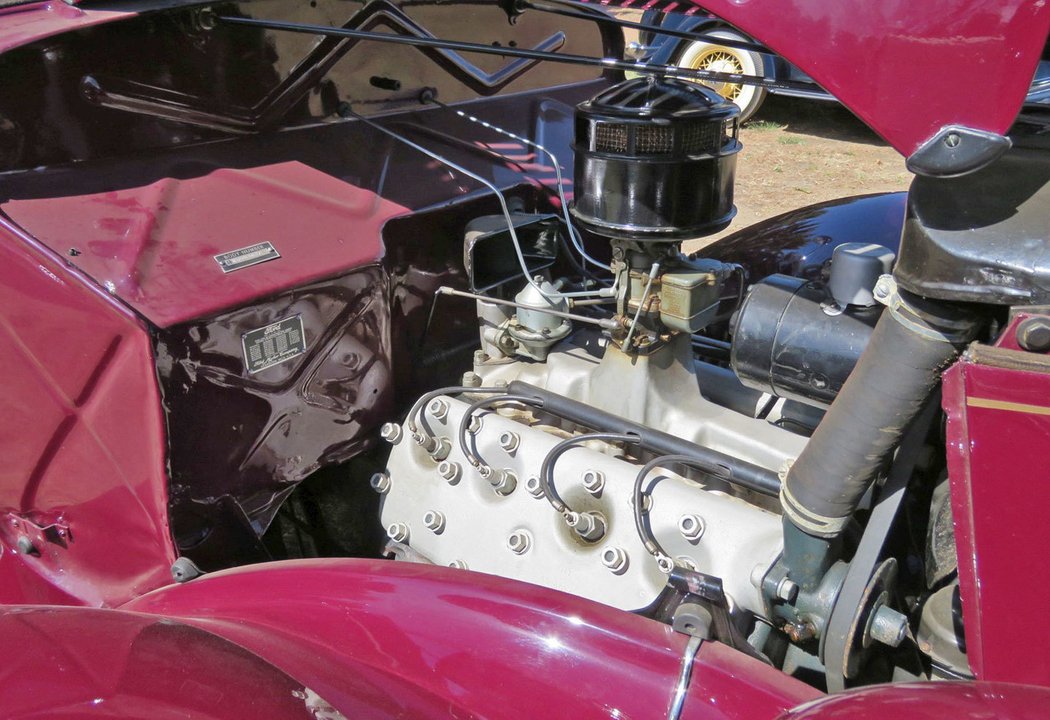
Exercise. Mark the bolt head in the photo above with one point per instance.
(519, 542)
(438, 408)
(594, 482)
(434, 521)
(615, 558)
(503, 481)
(691, 526)
(398, 532)
(509, 441)
(391, 432)
(380, 482)
(888, 626)
(532, 486)
(449, 471)
(458, 565)
(1033, 334)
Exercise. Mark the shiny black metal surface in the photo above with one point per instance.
(655, 160)
(790, 340)
(982, 238)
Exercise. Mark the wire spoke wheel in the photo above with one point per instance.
(719, 58)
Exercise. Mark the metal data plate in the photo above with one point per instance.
(273, 344)
(247, 256)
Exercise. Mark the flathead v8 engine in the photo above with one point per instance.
(599, 444)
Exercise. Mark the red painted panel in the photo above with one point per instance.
(82, 437)
(154, 246)
(40, 20)
(907, 68)
(998, 433)
(931, 701)
(500, 648)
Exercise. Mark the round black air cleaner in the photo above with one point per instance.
(655, 159)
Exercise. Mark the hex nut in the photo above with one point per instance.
(615, 558)
(398, 532)
(533, 487)
(458, 565)
(438, 409)
(380, 482)
(434, 521)
(594, 482)
(1033, 334)
(509, 441)
(391, 432)
(588, 525)
(471, 379)
(450, 471)
(440, 449)
(686, 562)
(519, 542)
(691, 526)
(503, 481)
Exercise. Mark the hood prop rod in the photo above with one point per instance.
(504, 51)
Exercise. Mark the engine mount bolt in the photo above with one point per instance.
(615, 558)
(440, 448)
(533, 487)
(391, 432)
(439, 409)
(458, 565)
(691, 526)
(588, 525)
(888, 626)
(594, 481)
(503, 481)
(434, 521)
(787, 589)
(449, 471)
(509, 441)
(380, 482)
(1033, 334)
(519, 542)
(398, 532)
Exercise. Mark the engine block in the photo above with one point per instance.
(447, 512)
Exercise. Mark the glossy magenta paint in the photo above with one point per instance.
(485, 645)
(83, 477)
(155, 245)
(930, 701)
(73, 663)
(998, 408)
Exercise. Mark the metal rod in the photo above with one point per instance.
(573, 235)
(738, 472)
(504, 51)
(604, 323)
(599, 16)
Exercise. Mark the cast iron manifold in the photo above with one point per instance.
(655, 160)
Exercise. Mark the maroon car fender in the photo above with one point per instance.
(501, 648)
(927, 701)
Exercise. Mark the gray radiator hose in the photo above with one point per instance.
(913, 342)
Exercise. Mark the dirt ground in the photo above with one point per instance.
(801, 152)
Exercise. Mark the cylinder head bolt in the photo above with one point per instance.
(434, 521)
(519, 542)
(391, 432)
(398, 532)
(380, 482)
(615, 558)
(594, 482)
